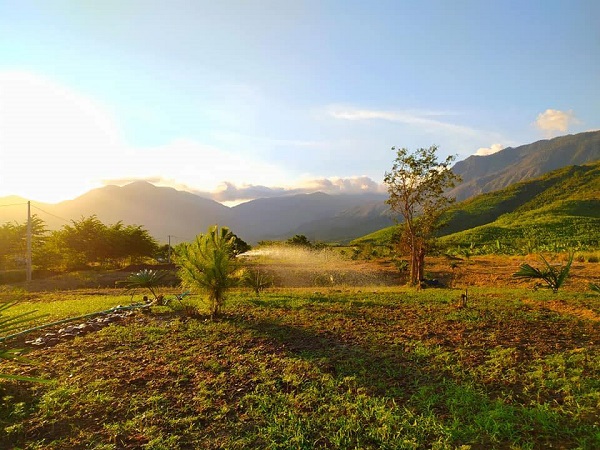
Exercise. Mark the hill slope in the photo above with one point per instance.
(559, 208)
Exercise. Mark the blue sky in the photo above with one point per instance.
(228, 98)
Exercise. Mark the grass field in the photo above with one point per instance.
(340, 366)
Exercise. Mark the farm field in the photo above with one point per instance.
(345, 359)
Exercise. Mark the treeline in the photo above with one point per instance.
(81, 244)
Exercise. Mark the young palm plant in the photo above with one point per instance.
(256, 280)
(209, 264)
(553, 276)
(146, 278)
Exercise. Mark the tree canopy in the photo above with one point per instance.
(416, 186)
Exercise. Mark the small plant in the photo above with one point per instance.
(256, 280)
(553, 276)
(402, 265)
(146, 278)
(595, 287)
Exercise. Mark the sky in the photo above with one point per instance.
(235, 100)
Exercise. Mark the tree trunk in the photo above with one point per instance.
(421, 262)
(414, 263)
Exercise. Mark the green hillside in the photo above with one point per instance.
(559, 210)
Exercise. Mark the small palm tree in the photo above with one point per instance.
(553, 276)
(209, 264)
(146, 278)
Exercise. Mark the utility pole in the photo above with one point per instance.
(169, 249)
(28, 257)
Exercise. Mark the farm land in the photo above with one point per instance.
(338, 354)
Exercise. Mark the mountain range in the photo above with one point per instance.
(167, 213)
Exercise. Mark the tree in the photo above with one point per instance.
(209, 264)
(416, 185)
(299, 240)
(89, 241)
(13, 242)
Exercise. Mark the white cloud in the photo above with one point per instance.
(554, 120)
(231, 193)
(420, 119)
(347, 185)
(484, 151)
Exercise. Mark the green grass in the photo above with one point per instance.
(364, 368)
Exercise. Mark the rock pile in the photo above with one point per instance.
(70, 331)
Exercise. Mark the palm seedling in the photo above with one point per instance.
(553, 276)
(146, 279)
(256, 280)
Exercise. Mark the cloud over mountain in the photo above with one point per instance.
(553, 120)
(484, 151)
(230, 192)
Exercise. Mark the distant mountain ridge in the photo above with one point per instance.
(166, 212)
(481, 174)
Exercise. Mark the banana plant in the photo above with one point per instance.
(553, 276)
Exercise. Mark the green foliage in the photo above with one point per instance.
(239, 246)
(299, 240)
(146, 279)
(89, 241)
(595, 287)
(13, 242)
(209, 264)
(416, 185)
(553, 276)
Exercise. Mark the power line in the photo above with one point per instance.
(14, 204)
(53, 215)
